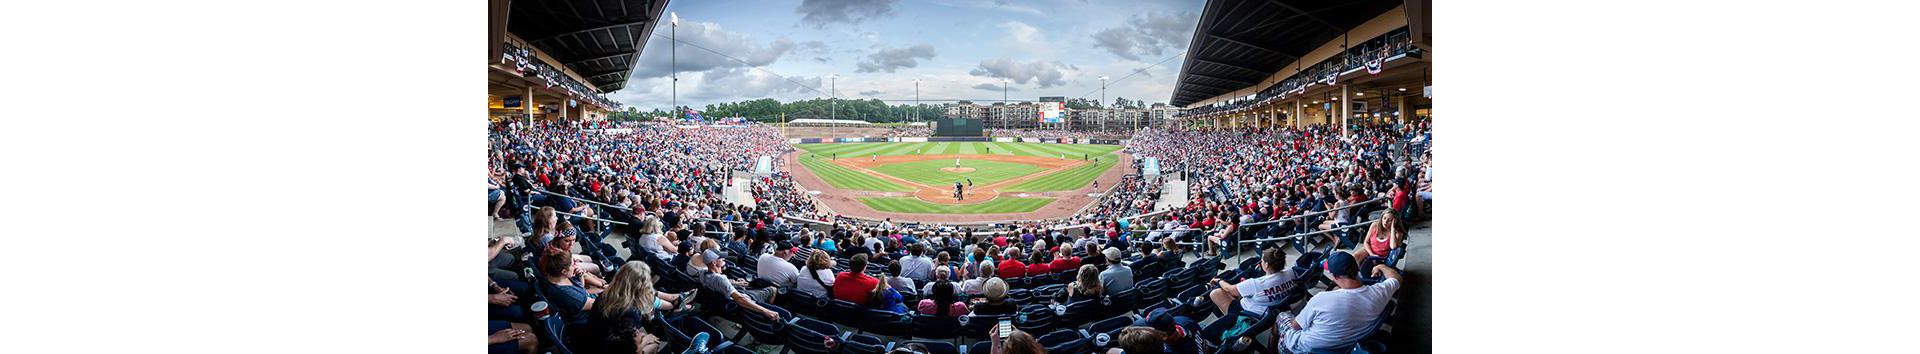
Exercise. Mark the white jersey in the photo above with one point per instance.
(1257, 294)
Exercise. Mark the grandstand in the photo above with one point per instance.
(743, 263)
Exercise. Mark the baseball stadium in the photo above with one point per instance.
(659, 189)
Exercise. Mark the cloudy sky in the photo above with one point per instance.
(959, 49)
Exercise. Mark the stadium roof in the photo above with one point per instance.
(598, 39)
(1239, 43)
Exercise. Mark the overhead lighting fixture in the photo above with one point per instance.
(1360, 94)
(1403, 89)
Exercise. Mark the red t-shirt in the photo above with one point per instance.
(854, 286)
(1009, 269)
(1000, 241)
(1065, 264)
(1039, 269)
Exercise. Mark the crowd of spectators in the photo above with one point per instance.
(910, 131)
(712, 258)
(1055, 134)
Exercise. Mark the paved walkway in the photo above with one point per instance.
(740, 190)
(1172, 195)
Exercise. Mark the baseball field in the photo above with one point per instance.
(992, 178)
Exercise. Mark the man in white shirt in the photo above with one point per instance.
(775, 268)
(1253, 295)
(1337, 318)
(916, 265)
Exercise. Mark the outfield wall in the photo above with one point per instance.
(957, 140)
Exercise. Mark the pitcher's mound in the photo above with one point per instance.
(956, 169)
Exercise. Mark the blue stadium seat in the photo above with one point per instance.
(553, 331)
(863, 344)
(1112, 326)
(1036, 319)
(1066, 341)
(804, 303)
(976, 326)
(685, 327)
(844, 312)
(981, 347)
(933, 347)
(1150, 291)
(935, 327)
(886, 323)
(765, 330)
(1081, 312)
(809, 336)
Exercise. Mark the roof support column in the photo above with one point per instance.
(1400, 109)
(1346, 108)
(1296, 112)
(526, 104)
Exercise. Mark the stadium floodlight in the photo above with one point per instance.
(1403, 89)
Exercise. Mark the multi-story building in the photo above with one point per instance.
(1026, 115)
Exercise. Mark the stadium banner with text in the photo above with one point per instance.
(1005, 139)
(919, 139)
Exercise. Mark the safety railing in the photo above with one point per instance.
(1301, 216)
(588, 201)
(590, 218)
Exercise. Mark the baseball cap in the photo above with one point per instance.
(782, 245)
(710, 256)
(1341, 264)
(1113, 254)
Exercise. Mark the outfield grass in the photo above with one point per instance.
(1066, 180)
(843, 178)
(928, 172)
(851, 150)
(998, 205)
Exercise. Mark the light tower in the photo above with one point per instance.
(673, 62)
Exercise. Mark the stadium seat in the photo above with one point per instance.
(933, 347)
(809, 336)
(886, 323)
(1020, 296)
(1066, 342)
(863, 344)
(1112, 326)
(1036, 319)
(805, 304)
(981, 347)
(684, 328)
(976, 326)
(935, 327)
(1081, 312)
(553, 331)
(844, 312)
(1150, 291)
(1120, 302)
(764, 330)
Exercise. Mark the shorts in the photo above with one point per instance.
(494, 195)
(760, 295)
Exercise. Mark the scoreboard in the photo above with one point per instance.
(958, 126)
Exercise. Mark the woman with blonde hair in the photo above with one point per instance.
(1087, 286)
(817, 277)
(615, 322)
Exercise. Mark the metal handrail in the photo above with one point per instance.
(585, 200)
(1304, 235)
(725, 221)
(1370, 201)
(588, 217)
(1164, 230)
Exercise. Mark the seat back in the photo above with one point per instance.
(886, 323)
(1112, 326)
(1036, 319)
(1081, 312)
(1150, 291)
(935, 327)
(685, 327)
(933, 347)
(1065, 341)
(766, 330)
(809, 336)
(862, 344)
(976, 326)
(844, 312)
(553, 331)
(981, 347)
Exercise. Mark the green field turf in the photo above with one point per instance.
(929, 173)
(815, 156)
(1065, 180)
(843, 178)
(998, 205)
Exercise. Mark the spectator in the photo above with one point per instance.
(1341, 316)
(977, 285)
(1012, 267)
(1038, 265)
(818, 278)
(995, 302)
(887, 298)
(1087, 286)
(506, 337)
(1018, 342)
(563, 289)
(776, 269)
(1117, 277)
(1382, 237)
(942, 300)
(896, 281)
(716, 280)
(1064, 260)
(623, 310)
(854, 285)
(916, 265)
(655, 242)
(1253, 296)
(1094, 256)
